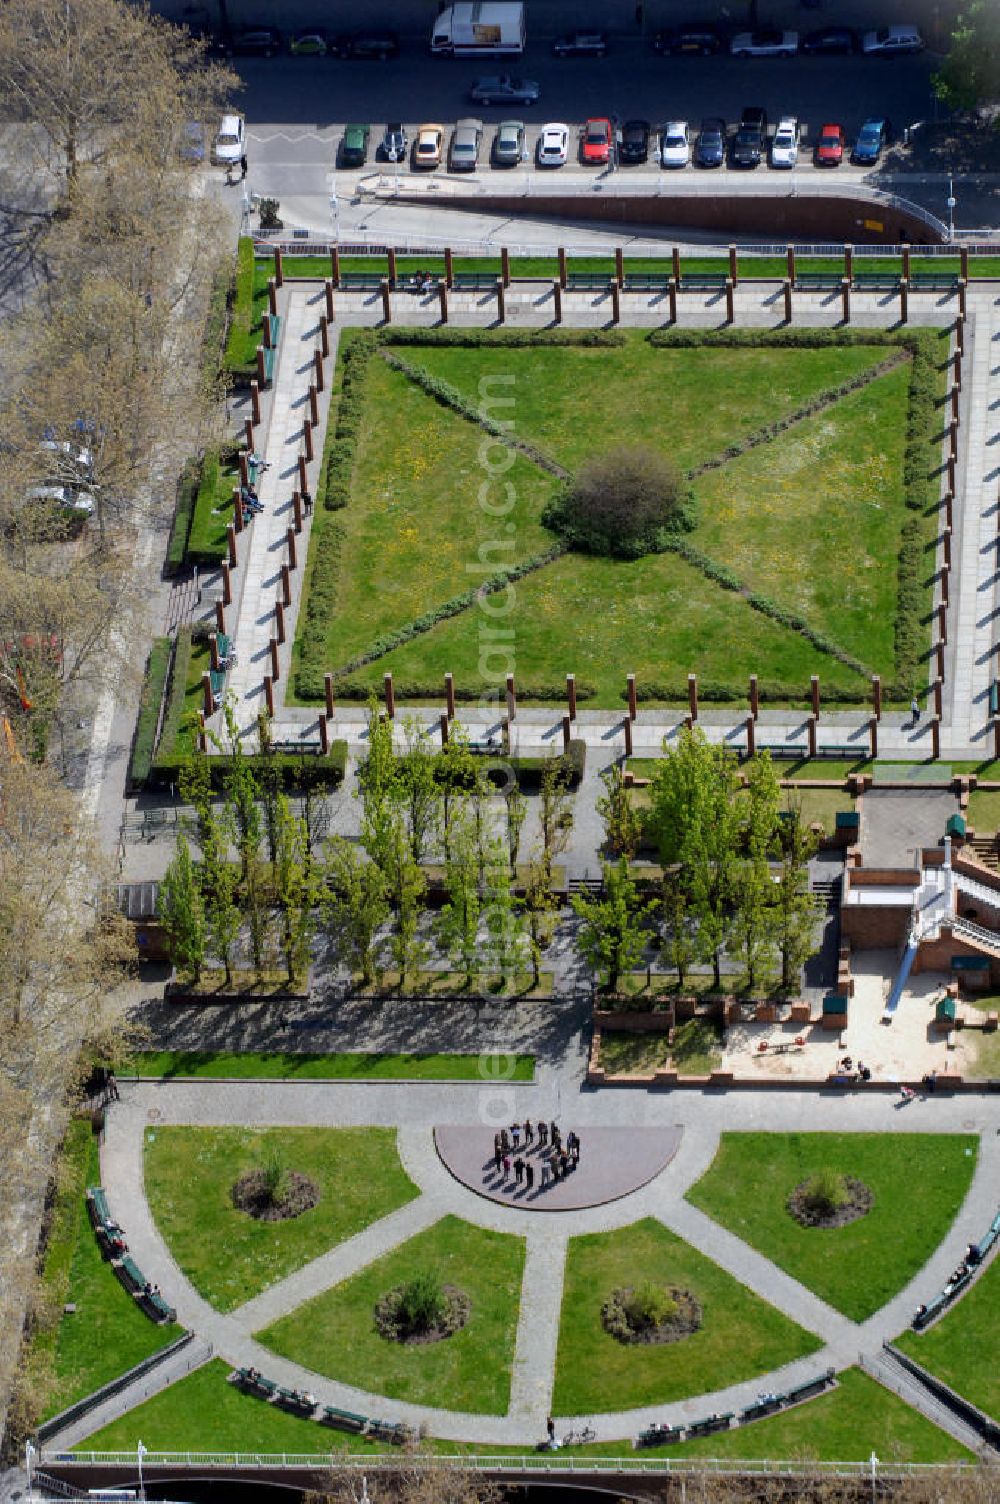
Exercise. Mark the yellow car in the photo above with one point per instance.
(429, 146)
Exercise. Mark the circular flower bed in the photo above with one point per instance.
(830, 1201)
(650, 1313)
(394, 1322)
(255, 1194)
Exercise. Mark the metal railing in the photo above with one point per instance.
(433, 246)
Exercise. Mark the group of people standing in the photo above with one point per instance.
(555, 1157)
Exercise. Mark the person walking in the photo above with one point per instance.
(553, 1131)
(307, 503)
(112, 1087)
(550, 1429)
(243, 168)
(519, 1170)
(529, 1177)
(515, 1133)
(497, 1155)
(529, 1132)
(915, 710)
(543, 1133)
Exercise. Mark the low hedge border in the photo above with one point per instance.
(361, 690)
(180, 529)
(297, 770)
(608, 339)
(150, 699)
(241, 301)
(175, 701)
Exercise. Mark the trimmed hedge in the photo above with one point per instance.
(216, 332)
(175, 699)
(242, 315)
(361, 690)
(771, 690)
(207, 535)
(153, 684)
(180, 529)
(297, 770)
(397, 334)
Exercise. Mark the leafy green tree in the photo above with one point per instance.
(506, 945)
(459, 772)
(194, 785)
(795, 912)
(969, 77)
(555, 808)
(259, 917)
(612, 936)
(378, 780)
(219, 886)
(407, 885)
(419, 789)
(242, 794)
(753, 932)
(457, 925)
(294, 887)
(517, 809)
(622, 826)
(541, 908)
(679, 947)
(356, 906)
(180, 907)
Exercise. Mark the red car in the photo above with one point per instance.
(830, 146)
(595, 147)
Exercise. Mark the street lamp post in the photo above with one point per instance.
(951, 210)
(140, 1452)
(29, 1457)
(335, 215)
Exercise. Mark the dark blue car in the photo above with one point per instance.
(872, 137)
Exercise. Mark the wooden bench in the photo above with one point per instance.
(659, 1436)
(156, 1308)
(264, 1388)
(928, 1312)
(934, 281)
(475, 281)
(97, 1202)
(877, 281)
(392, 1431)
(269, 363)
(819, 281)
(710, 1424)
(784, 749)
(294, 1399)
(344, 1420)
(854, 750)
(587, 282)
(703, 281)
(362, 281)
(764, 1406)
(809, 1389)
(645, 282)
(310, 746)
(131, 1275)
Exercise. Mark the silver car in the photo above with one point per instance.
(465, 139)
(508, 143)
(504, 89)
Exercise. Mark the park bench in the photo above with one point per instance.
(388, 1430)
(855, 750)
(877, 281)
(217, 682)
(156, 1308)
(475, 281)
(766, 1405)
(659, 1436)
(97, 1205)
(784, 749)
(486, 745)
(710, 1424)
(646, 282)
(264, 1388)
(344, 1420)
(130, 1274)
(809, 1389)
(153, 820)
(588, 282)
(294, 1399)
(703, 281)
(934, 281)
(933, 1308)
(819, 281)
(994, 697)
(362, 281)
(307, 745)
(269, 363)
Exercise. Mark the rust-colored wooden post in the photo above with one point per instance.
(672, 299)
(286, 585)
(213, 651)
(787, 290)
(962, 291)
(730, 301)
(307, 441)
(693, 696)
(207, 702)
(561, 255)
(616, 303)
(328, 290)
(945, 591)
(960, 336)
(627, 724)
(952, 475)
(272, 295)
(261, 367)
(444, 729)
(231, 543)
(386, 301)
(811, 733)
(449, 695)
(290, 546)
(317, 372)
(566, 733)
(877, 695)
(248, 432)
(501, 302)
(324, 735)
(237, 510)
(873, 738)
(849, 263)
(571, 695)
(443, 301)
(390, 696)
(675, 264)
(963, 262)
(845, 301)
(279, 621)
(996, 737)
(202, 738)
(630, 691)
(556, 303)
(734, 273)
(324, 335)
(946, 548)
(328, 693)
(244, 468)
(313, 404)
(943, 622)
(948, 503)
(449, 267)
(936, 737)
(505, 266)
(938, 707)
(511, 698)
(904, 301)
(953, 437)
(391, 265)
(279, 266)
(619, 266)
(220, 617)
(265, 329)
(754, 697)
(275, 664)
(335, 265)
(939, 650)
(269, 694)
(297, 510)
(905, 252)
(227, 585)
(955, 394)
(303, 474)
(814, 694)
(255, 402)
(790, 260)
(751, 737)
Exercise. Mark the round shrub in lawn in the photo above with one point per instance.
(625, 503)
(648, 1313)
(828, 1199)
(422, 1310)
(271, 1193)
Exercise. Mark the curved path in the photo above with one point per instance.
(416, 1109)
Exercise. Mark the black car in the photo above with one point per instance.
(874, 135)
(365, 45)
(710, 147)
(698, 40)
(260, 41)
(829, 41)
(635, 141)
(749, 145)
(581, 44)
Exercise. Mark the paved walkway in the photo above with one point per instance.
(415, 1111)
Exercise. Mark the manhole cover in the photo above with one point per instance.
(154, 1115)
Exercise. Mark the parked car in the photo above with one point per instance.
(891, 41)
(581, 44)
(829, 149)
(354, 148)
(430, 143)
(635, 141)
(68, 503)
(395, 143)
(874, 135)
(553, 145)
(465, 140)
(310, 43)
(230, 140)
(766, 43)
(696, 40)
(502, 89)
(508, 143)
(710, 147)
(749, 144)
(364, 46)
(830, 41)
(596, 141)
(257, 41)
(785, 146)
(675, 147)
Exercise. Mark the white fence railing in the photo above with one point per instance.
(433, 246)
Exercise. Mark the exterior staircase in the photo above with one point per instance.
(827, 891)
(984, 849)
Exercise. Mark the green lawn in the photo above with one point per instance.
(986, 1046)
(740, 1336)
(818, 806)
(856, 1268)
(108, 1333)
(229, 1256)
(624, 1053)
(213, 510)
(335, 1333)
(962, 1347)
(984, 811)
(337, 1067)
(205, 1413)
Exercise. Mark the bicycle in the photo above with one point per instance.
(579, 1438)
